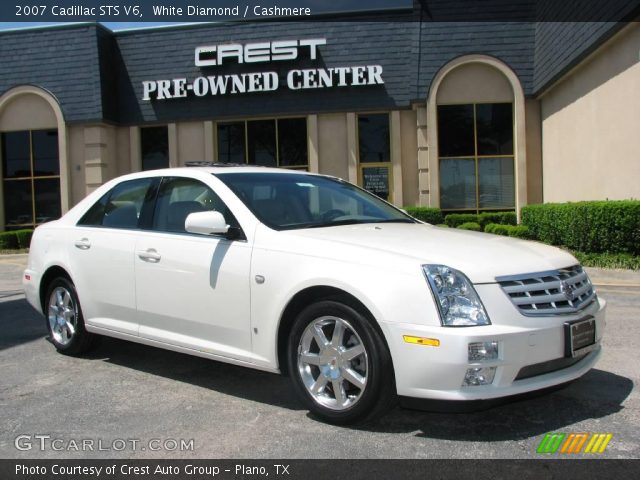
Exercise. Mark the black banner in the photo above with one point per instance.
(583, 469)
(60, 11)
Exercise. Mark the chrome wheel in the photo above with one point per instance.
(63, 320)
(332, 363)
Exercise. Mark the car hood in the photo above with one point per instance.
(480, 256)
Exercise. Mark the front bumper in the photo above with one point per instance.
(437, 373)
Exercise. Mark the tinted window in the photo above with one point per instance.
(18, 209)
(121, 207)
(231, 142)
(292, 141)
(15, 155)
(495, 128)
(289, 201)
(373, 138)
(45, 152)
(154, 146)
(455, 131)
(261, 143)
(178, 197)
(31, 178)
(47, 199)
(457, 183)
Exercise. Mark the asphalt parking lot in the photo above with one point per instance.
(124, 391)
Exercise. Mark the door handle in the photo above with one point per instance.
(150, 255)
(83, 244)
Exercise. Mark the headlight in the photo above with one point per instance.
(458, 302)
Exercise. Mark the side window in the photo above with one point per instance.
(121, 207)
(178, 197)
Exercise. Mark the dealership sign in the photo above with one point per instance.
(261, 81)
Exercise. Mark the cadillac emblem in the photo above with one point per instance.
(567, 290)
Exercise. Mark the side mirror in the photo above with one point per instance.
(206, 223)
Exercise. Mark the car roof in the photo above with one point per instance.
(221, 168)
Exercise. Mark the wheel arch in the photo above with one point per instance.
(52, 272)
(306, 297)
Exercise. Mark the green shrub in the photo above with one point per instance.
(594, 227)
(443, 225)
(474, 226)
(501, 230)
(518, 231)
(8, 240)
(502, 218)
(23, 237)
(454, 220)
(426, 214)
(609, 260)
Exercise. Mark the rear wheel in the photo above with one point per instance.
(339, 364)
(64, 318)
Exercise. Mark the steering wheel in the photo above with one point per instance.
(332, 214)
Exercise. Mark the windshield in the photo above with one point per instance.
(287, 201)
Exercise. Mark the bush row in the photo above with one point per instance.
(15, 239)
(426, 214)
(608, 260)
(595, 227)
(435, 216)
(483, 219)
(473, 226)
(517, 231)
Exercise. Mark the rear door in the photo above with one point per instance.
(193, 290)
(102, 254)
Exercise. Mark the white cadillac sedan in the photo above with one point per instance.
(313, 277)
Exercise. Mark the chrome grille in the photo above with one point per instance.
(563, 291)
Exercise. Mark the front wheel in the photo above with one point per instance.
(64, 318)
(339, 364)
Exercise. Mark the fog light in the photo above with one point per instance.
(483, 351)
(479, 376)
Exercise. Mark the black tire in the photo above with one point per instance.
(379, 392)
(80, 341)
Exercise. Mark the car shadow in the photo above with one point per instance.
(596, 395)
(19, 322)
(221, 377)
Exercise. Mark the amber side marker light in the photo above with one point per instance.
(429, 342)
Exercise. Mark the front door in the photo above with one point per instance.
(192, 290)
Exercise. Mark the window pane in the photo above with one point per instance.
(455, 130)
(154, 143)
(125, 204)
(373, 138)
(45, 153)
(457, 183)
(496, 182)
(261, 141)
(292, 141)
(495, 129)
(47, 196)
(15, 155)
(231, 142)
(94, 215)
(376, 181)
(17, 202)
